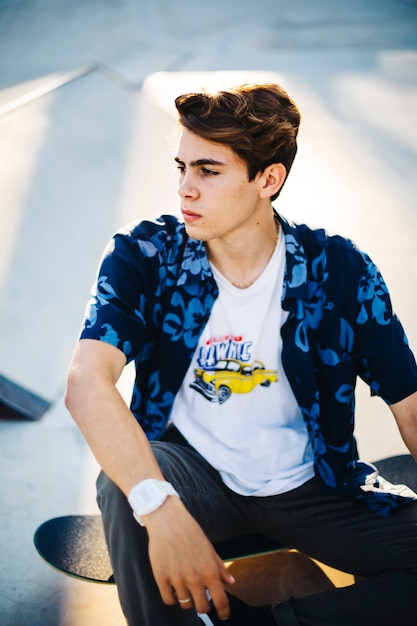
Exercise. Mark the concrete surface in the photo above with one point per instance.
(86, 127)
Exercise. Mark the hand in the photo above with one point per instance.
(184, 562)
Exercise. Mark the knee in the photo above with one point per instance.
(108, 493)
(169, 461)
(113, 502)
(109, 496)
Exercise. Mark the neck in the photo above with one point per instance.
(244, 261)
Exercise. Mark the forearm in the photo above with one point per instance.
(182, 559)
(113, 434)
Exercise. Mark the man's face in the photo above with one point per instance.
(217, 199)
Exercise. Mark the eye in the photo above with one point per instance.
(181, 168)
(207, 172)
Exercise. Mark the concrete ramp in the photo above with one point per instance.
(87, 151)
(64, 149)
(84, 152)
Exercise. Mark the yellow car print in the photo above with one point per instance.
(231, 376)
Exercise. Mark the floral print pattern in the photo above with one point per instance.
(154, 295)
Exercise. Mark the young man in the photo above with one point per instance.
(248, 334)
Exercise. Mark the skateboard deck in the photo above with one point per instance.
(75, 544)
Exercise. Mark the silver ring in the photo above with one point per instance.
(184, 601)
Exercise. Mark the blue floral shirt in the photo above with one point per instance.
(154, 294)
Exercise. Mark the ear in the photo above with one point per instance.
(272, 179)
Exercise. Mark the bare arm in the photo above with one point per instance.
(405, 413)
(120, 446)
(183, 560)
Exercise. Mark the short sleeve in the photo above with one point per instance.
(115, 312)
(387, 363)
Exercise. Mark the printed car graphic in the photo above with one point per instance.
(231, 376)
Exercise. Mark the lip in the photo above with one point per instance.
(190, 216)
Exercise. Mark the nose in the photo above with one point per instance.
(187, 187)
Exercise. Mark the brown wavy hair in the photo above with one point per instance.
(258, 121)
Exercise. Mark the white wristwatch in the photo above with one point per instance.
(149, 495)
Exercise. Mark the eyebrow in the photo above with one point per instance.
(200, 162)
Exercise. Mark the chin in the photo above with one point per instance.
(195, 233)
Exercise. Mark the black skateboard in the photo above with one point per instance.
(75, 544)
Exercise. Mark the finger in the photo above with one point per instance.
(225, 576)
(200, 601)
(167, 592)
(221, 604)
(185, 600)
(215, 593)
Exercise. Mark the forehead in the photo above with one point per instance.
(192, 148)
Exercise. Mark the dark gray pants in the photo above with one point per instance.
(335, 531)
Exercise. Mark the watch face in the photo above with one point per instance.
(148, 495)
(150, 490)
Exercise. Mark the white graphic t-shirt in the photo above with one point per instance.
(235, 405)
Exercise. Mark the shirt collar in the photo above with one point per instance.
(295, 277)
(195, 265)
